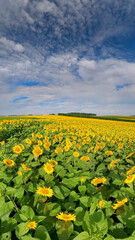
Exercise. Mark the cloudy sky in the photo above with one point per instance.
(66, 56)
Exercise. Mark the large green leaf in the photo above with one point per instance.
(42, 234)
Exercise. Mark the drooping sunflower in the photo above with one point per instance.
(97, 181)
(112, 164)
(119, 203)
(25, 167)
(47, 192)
(109, 153)
(85, 158)
(66, 217)
(9, 162)
(130, 179)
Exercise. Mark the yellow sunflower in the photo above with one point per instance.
(17, 149)
(47, 192)
(9, 162)
(66, 217)
(48, 168)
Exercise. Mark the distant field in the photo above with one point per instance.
(106, 117)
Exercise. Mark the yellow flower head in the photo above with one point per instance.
(119, 203)
(96, 149)
(28, 141)
(53, 162)
(130, 179)
(31, 225)
(76, 154)
(37, 151)
(82, 179)
(48, 168)
(109, 153)
(19, 173)
(130, 155)
(9, 162)
(113, 163)
(102, 144)
(66, 148)
(85, 158)
(66, 217)
(25, 167)
(131, 170)
(101, 203)
(47, 192)
(17, 149)
(22, 147)
(58, 150)
(97, 181)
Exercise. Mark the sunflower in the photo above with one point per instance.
(109, 153)
(101, 203)
(37, 151)
(28, 141)
(9, 162)
(66, 217)
(31, 225)
(97, 181)
(113, 163)
(47, 192)
(19, 173)
(17, 149)
(85, 158)
(130, 179)
(53, 162)
(48, 168)
(25, 167)
(131, 171)
(58, 150)
(76, 154)
(119, 203)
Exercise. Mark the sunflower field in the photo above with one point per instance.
(64, 178)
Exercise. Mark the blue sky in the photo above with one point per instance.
(65, 56)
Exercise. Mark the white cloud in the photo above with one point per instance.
(11, 45)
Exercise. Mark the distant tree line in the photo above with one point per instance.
(78, 114)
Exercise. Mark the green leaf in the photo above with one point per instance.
(60, 171)
(73, 196)
(70, 183)
(2, 175)
(6, 209)
(109, 237)
(27, 212)
(86, 201)
(79, 212)
(8, 225)
(117, 182)
(2, 186)
(64, 229)
(21, 229)
(42, 233)
(52, 209)
(127, 218)
(82, 236)
(58, 193)
(5, 236)
(82, 189)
